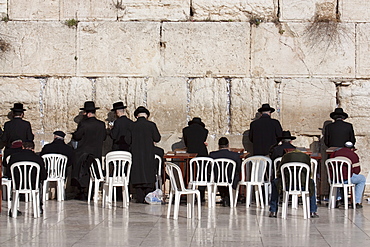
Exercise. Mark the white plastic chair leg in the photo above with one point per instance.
(236, 194)
(176, 207)
(248, 195)
(169, 205)
(295, 201)
(231, 197)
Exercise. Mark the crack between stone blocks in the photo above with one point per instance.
(228, 104)
(278, 9)
(43, 82)
(188, 98)
(162, 46)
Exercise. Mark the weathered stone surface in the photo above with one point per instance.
(246, 96)
(37, 49)
(34, 10)
(196, 49)
(362, 50)
(354, 10)
(297, 10)
(304, 50)
(88, 10)
(167, 102)
(306, 104)
(3, 8)
(174, 10)
(243, 10)
(116, 48)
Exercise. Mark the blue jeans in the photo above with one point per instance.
(274, 200)
(359, 180)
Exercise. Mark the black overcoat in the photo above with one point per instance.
(194, 137)
(141, 137)
(59, 147)
(338, 133)
(16, 129)
(263, 133)
(119, 132)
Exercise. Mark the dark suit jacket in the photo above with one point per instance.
(119, 132)
(279, 150)
(59, 147)
(263, 133)
(141, 137)
(338, 133)
(194, 137)
(15, 129)
(27, 155)
(225, 153)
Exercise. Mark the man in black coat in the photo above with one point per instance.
(90, 135)
(338, 132)
(286, 144)
(17, 128)
(195, 137)
(58, 146)
(120, 127)
(141, 137)
(224, 152)
(264, 131)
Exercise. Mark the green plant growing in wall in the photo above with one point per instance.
(119, 5)
(71, 23)
(5, 18)
(256, 20)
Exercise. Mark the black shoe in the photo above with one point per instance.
(359, 205)
(226, 202)
(338, 203)
(41, 210)
(19, 213)
(273, 215)
(314, 215)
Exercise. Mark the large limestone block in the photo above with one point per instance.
(246, 96)
(197, 49)
(131, 91)
(354, 99)
(209, 100)
(37, 48)
(304, 49)
(3, 8)
(117, 48)
(354, 10)
(173, 10)
(362, 50)
(34, 10)
(167, 101)
(306, 104)
(88, 10)
(298, 10)
(242, 10)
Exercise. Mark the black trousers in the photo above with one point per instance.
(142, 190)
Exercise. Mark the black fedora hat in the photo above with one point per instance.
(285, 135)
(89, 106)
(118, 105)
(338, 112)
(17, 107)
(141, 109)
(196, 120)
(266, 107)
(59, 133)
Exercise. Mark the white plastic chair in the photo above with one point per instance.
(276, 163)
(55, 165)
(253, 171)
(158, 176)
(201, 174)
(25, 170)
(120, 161)
(8, 183)
(178, 189)
(221, 177)
(334, 168)
(293, 185)
(96, 177)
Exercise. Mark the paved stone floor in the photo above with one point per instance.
(75, 223)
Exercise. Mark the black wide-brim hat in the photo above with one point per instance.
(118, 105)
(89, 106)
(285, 135)
(266, 107)
(141, 109)
(59, 133)
(18, 107)
(338, 112)
(196, 120)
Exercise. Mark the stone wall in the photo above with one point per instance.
(219, 60)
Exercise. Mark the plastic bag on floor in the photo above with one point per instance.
(154, 197)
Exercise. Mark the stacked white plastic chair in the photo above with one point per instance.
(8, 183)
(96, 177)
(55, 165)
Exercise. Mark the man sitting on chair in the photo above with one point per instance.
(276, 185)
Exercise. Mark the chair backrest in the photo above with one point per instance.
(159, 160)
(292, 174)
(120, 164)
(25, 175)
(96, 172)
(335, 167)
(176, 178)
(276, 163)
(253, 169)
(224, 171)
(313, 169)
(201, 169)
(55, 165)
